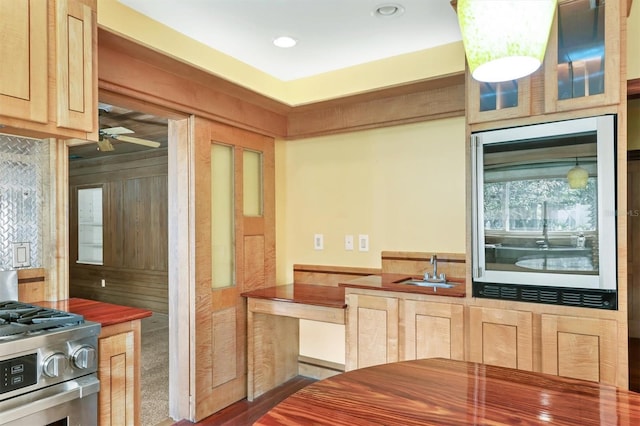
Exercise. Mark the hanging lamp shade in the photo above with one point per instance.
(504, 39)
(577, 177)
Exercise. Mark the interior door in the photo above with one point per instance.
(234, 252)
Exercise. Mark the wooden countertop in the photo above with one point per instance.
(391, 282)
(446, 392)
(318, 295)
(333, 297)
(105, 313)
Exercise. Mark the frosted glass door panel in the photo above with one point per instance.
(222, 223)
(252, 183)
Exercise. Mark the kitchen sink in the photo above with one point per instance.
(429, 283)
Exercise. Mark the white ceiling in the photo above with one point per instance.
(331, 34)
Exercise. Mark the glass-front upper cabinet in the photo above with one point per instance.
(582, 63)
(497, 101)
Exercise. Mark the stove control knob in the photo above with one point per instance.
(55, 365)
(84, 357)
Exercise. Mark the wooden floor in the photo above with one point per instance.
(245, 413)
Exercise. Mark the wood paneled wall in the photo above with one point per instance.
(135, 242)
(633, 258)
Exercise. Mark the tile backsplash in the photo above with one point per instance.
(24, 164)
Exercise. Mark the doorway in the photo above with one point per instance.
(130, 165)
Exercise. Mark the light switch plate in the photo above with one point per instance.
(363, 242)
(348, 242)
(318, 242)
(21, 255)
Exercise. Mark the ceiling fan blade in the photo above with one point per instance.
(130, 139)
(116, 131)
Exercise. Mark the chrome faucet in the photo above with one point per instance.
(434, 262)
(434, 278)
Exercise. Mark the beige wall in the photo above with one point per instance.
(404, 186)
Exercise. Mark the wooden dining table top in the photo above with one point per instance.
(445, 392)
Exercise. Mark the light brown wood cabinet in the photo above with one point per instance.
(49, 86)
(430, 329)
(581, 348)
(119, 374)
(581, 69)
(582, 61)
(372, 331)
(498, 101)
(383, 329)
(501, 337)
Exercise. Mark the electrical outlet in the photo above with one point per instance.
(103, 282)
(21, 255)
(318, 242)
(363, 242)
(348, 242)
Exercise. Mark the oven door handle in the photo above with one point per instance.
(47, 398)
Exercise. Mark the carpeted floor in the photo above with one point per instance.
(155, 370)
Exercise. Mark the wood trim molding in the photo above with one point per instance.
(633, 88)
(31, 275)
(329, 275)
(132, 71)
(427, 100)
(340, 270)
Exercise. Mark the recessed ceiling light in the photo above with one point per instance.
(390, 10)
(285, 41)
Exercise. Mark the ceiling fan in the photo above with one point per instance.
(119, 134)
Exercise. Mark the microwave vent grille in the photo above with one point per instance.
(571, 298)
(509, 293)
(593, 300)
(548, 295)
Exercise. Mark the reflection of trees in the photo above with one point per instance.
(520, 203)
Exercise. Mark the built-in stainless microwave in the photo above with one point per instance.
(544, 213)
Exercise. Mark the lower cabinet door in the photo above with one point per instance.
(580, 348)
(430, 330)
(372, 331)
(116, 400)
(501, 337)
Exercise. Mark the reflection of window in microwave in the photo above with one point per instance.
(526, 188)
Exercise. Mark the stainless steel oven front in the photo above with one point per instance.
(70, 403)
(48, 367)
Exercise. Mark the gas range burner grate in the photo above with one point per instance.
(19, 318)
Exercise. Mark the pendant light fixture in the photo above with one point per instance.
(505, 39)
(577, 177)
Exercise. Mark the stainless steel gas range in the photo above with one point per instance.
(48, 366)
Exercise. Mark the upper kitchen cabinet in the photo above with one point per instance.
(498, 101)
(582, 62)
(49, 86)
